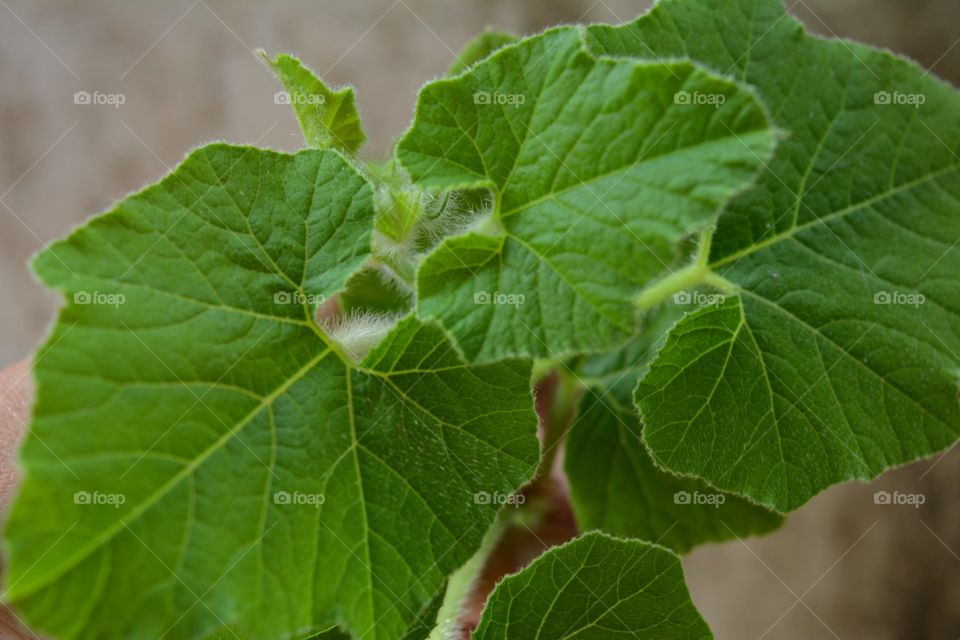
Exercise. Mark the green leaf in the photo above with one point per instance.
(328, 118)
(595, 588)
(615, 487)
(824, 364)
(203, 455)
(479, 48)
(597, 171)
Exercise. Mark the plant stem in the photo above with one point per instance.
(559, 392)
(693, 275)
(558, 416)
(461, 584)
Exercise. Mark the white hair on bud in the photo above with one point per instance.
(358, 332)
(392, 247)
(395, 227)
(389, 278)
(479, 218)
(441, 211)
(446, 215)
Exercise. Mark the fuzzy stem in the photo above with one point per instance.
(693, 275)
(461, 584)
(559, 416)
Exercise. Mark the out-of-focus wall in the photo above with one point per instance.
(187, 75)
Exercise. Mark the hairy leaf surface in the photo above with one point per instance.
(202, 455)
(328, 118)
(836, 357)
(595, 588)
(614, 485)
(597, 170)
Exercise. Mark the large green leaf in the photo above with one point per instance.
(595, 588)
(203, 455)
(614, 485)
(597, 170)
(824, 364)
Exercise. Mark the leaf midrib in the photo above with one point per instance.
(639, 162)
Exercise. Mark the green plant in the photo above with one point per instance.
(293, 392)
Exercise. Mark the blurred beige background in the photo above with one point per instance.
(843, 567)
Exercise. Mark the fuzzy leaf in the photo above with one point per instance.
(836, 356)
(597, 170)
(328, 118)
(201, 455)
(595, 588)
(614, 485)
